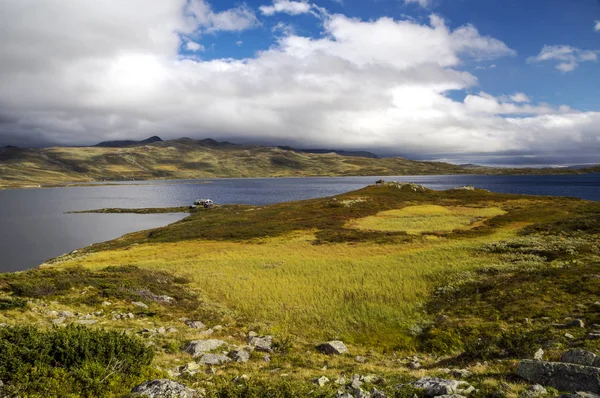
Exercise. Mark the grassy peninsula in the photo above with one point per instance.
(457, 284)
(192, 159)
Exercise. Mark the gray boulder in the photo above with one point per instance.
(332, 348)
(163, 388)
(195, 324)
(261, 343)
(213, 359)
(562, 376)
(239, 355)
(581, 357)
(198, 347)
(434, 387)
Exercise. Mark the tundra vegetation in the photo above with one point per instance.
(415, 282)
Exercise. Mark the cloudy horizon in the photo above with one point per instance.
(412, 78)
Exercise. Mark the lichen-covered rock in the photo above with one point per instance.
(261, 343)
(562, 376)
(199, 347)
(195, 324)
(163, 388)
(581, 357)
(213, 359)
(239, 355)
(333, 348)
(434, 387)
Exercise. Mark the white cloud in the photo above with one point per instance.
(519, 97)
(79, 71)
(568, 57)
(286, 6)
(422, 3)
(193, 46)
(597, 26)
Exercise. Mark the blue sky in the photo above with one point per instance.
(480, 81)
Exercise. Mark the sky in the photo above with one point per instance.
(466, 81)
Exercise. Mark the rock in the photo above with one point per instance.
(577, 323)
(239, 355)
(340, 381)
(261, 343)
(562, 376)
(461, 373)
(240, 379)
(581, 357)
(164, 299)
(58, 321)
(161, 330)
(580, 394)
(164, 388)
(171, 330)
(52, 314)
(539, 355)
(206, 332)
(434, 387)
(360, 359)
(267, 358)
(332, 348)
(414, 365)
(321, 381)
(198, 347)
(593, 336)
(140, 304)
(463, 188)
(536, 390)
(569, 336)
(213, 359)
(356, 382)
(369, 379)
(65, 314)
(195, 324)
(375, 393)
(191, 368)
(106, 303)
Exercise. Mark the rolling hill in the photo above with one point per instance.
(187, 158)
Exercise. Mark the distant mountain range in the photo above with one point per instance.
(186, 158)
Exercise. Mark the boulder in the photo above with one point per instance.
(140, 304)
(195, 324)
(434, 387)
(261, 343)
(164, 388)
(198, 347)
(321, 381)
(213, 359)
(65, 314)
(562, 376)
(332, 348)
(577, 323)
(239, 355)
(539, 355)
(581, 357)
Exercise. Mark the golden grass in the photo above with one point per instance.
(363, 293)
(426, 218)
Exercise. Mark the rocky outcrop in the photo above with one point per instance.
(581, 357)
(239, 355)
(213, 359)
(333, 348)
(435, 387)
(197, 348)
(261, 343)
(562, 376)
(164, 388)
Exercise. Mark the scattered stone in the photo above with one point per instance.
(213, 359)
(140, 304)
(164, 388)
(206, 332)
(593, 336)
(161, 330)
(106, 303)
(581, 357)
(321, 381)
(356, 382)
(414, 365)
(267, 358)
(239, 355)
(164, 299)
(539, 355)
(171, 330)
(217, 328)
(562, 376)
(191, 368)
(58, 321)
(252, 334)
(195, 324)
(569, 336)
(52, 313)
(65, 314)
(340, 381)
(333, 348)
(461, 373)
(240, 379)
(360, 359)
(375, 393)
(198, 347)
(261, 343)
(369, 379)
(434, 387)
(577, 323)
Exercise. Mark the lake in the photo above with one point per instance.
(34, 226)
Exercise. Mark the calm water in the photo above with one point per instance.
(34, 228)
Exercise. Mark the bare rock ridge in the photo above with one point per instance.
(124, 143)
